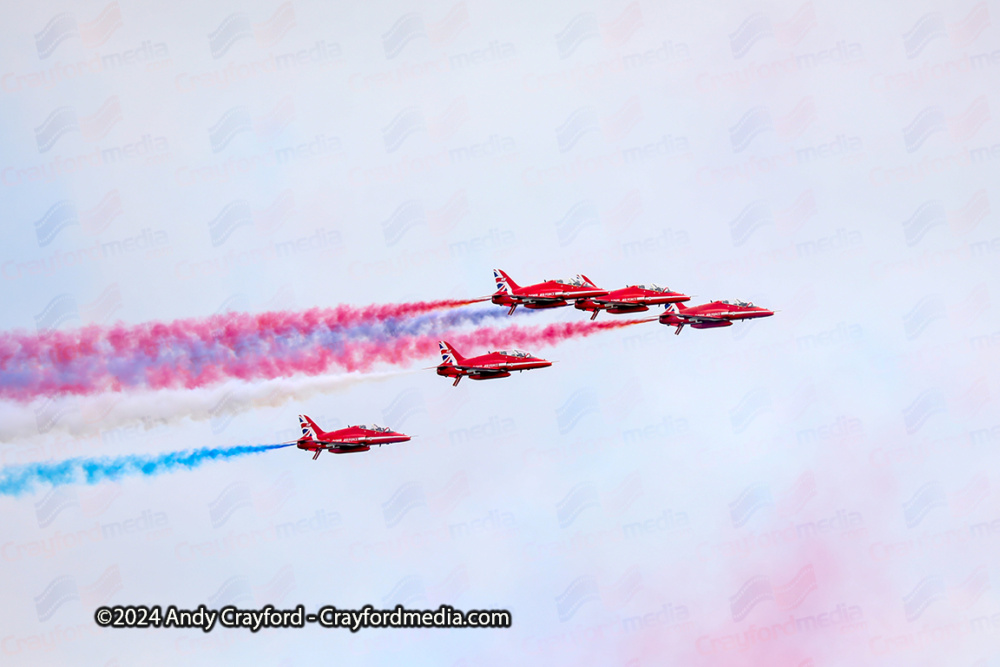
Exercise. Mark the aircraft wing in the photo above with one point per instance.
(618, 304)
(331, 444)
(477, 369)
(539, 299)
(697, 319)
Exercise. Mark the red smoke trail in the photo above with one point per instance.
(62, 345)
(319, 359)
(363, 356)
(76, 361)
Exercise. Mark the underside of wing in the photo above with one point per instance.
(619, 304)
(488, 371)
(700, 319)
(476, 370)
(541, 299)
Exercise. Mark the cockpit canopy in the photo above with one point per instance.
(653, 287)
(373, 427)
(737, 302)
(513, 353)
(576, 281)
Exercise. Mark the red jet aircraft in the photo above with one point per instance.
(549, 294)
(345, 440)
(497, 364)
(712, 315)
(631, 299)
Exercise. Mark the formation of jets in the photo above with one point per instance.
(630, 299)
(584, 295)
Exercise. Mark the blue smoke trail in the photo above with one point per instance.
(18, 479)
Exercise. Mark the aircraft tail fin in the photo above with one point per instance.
(309, 429)
(677, 307)
(504, 282)
(449, 357)
(588, 280)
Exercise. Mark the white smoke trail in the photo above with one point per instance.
(83, 416)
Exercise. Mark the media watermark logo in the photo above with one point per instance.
(753, 404)
(64, 214)
(412, 590)
(747, 503)
(580, 591)
(66, 26)
(931, 589)
(758, 120)
(224, 411)
(235, 591)
(759, 26)
(238, 27)
(61, 309)
(785, 597)
(61, 498)
(411, 496)
(278, 588)
(933, 26)
(579, 405)
(238, 120)
(928, 497)
(239, 591)
(580, 498)
(929, 403)
(407, 215)
(586, 588)
(932, 214)
(933, 120)
(412, 26)
(622, 497)
(413, 213)
(586, 26)
(231, 499)
(576, 125)
(586, 120)
(928, 310)
(586, 214)
(65, 589)
(64, 120)
(406, 404)
(582, 215)
(238, 214)
(239, 495)
(756, 215)
(408, 591)
(411, 120)
(758, 497)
